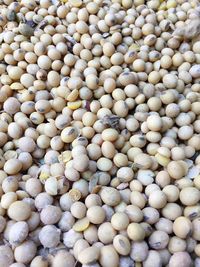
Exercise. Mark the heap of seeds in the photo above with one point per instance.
(100, 133)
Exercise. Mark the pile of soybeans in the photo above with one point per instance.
(100, 133)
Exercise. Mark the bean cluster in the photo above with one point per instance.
(100, 133)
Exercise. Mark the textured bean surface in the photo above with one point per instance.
(99, 133)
